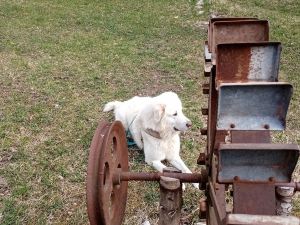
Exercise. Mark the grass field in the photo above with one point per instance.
(60, 61)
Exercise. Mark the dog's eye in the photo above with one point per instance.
(175, 114)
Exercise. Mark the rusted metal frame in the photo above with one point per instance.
(212, 116)
(220, 137)
(254, 198)
(236, 162)
(214, 136)
(245, 62)
(216, 206)
(245, 219)
(276, 147)
(217, 189)
(207, 54)
(238, 32)
(207, 89)
(263, 136)
(240, 37)
(217, 19)
(203, 208)
(295, 185)
(269, 103)
(140, 176)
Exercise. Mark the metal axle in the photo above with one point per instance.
(136, 176)
(183, 177)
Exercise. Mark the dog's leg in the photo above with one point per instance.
(158, 165)
(179, 164)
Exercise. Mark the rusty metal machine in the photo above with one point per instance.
(246, 102)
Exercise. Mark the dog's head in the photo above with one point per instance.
(167, 113)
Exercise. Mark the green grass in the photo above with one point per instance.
(61, 61)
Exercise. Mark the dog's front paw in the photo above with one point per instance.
(183, 187)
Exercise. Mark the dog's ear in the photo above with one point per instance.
(159, 111)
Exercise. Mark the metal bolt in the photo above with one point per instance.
(203, 208)
(204, 111)
(205, 89)
(232, 125)
(236, 178)
(202, 159)
(271, 179)
(203, 131)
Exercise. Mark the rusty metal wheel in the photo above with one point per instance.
(106, 202)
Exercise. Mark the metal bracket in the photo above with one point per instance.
(257, 162)
(244, 62)
(253, 106)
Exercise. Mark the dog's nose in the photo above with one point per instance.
(189, 124)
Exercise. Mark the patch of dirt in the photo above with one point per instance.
(4, 188)
(5, 158)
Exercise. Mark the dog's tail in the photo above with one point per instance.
(111, 106)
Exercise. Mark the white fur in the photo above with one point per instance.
(163, 114)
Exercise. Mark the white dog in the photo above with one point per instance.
(155, 124)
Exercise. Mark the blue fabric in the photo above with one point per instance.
(130, 141)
